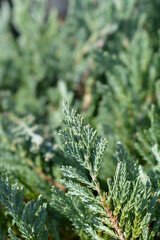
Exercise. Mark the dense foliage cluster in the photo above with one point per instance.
(62, 179)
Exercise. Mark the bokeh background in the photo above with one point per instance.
(102, 57)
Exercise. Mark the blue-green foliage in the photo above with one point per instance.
(29, 217)
(103, 59)
(129, 206)
(149, 139)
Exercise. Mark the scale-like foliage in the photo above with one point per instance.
(29, 217)
(149, 139)
(103, 58)
(126, 210)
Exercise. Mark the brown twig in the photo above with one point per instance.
(50, 180)
(109, 212)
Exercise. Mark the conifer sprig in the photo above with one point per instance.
(29, 217)
(128, 208)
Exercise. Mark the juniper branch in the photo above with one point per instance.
(29, 217)
(129, 206)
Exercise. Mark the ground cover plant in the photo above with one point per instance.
(103, 58)
(129, 209)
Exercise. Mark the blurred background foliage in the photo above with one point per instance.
(103, 57)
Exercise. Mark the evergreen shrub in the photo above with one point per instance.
(104, 60)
